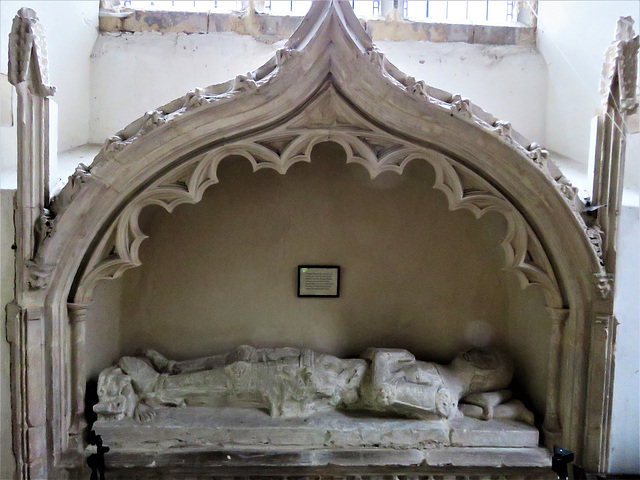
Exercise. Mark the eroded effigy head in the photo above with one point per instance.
(484, 370)
(118, 398)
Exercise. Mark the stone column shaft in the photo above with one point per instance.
(77, 315)
(551, 426)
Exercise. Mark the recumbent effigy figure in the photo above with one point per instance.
(297, 383)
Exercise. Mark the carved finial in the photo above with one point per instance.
(503, 128)
(283, 55)
(114, 144)
(80, 175)
(43, 228)
(621, 59)
(566, 188)
(461, 106)
(538, 154)
(377, 58)
(28, 53)
(195, 98)
(245, 83)
(624, 29)
(154, 118)
(418, 88)
(595, 238)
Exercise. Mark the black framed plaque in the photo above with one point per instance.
(318, 281)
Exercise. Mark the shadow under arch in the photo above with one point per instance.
(412, 315)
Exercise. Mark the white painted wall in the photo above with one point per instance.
(136, 72)
(133, 73)
(71, 28)
(625, 419)
(572, 37)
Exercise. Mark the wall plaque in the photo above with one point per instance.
(318, 281)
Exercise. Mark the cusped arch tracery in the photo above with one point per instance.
(376, 151)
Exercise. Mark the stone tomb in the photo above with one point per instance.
(278, 407)
(328, 83)
(237, 436)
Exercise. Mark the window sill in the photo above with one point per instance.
(274, 28)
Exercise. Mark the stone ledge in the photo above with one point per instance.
(224, 438)
(272, 28)
(531, 458)
(194, 471)
(202, 427)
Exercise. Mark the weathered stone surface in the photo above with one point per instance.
(272, 28)
(166, 22)
(488, 457)
(174, 427)
(111, 22)
(297, 383)
(238, 427)
(470, 432)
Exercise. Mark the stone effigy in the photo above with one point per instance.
(298, 383)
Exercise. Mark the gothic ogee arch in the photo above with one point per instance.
(383, 119)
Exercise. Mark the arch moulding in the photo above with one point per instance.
(383, 119)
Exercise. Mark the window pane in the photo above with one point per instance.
(478, 10)
(280, 7)
(457, 11)
(498, 11)
(363, 8)
(438, 9)
(300, 7)
(494, 11)
(417, 10)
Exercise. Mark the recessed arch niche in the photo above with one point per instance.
(384, 121)
(415, 275)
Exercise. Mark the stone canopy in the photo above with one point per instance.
(328, 83)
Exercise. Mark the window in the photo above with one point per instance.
(462, 11)
(451, 11)
(274, 7)
(489, 22)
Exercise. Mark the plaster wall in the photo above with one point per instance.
(625, 419)
(573, 37)
(71, 29)
(132, 73)
(414, 275)
(103, 331)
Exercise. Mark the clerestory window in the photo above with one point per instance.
(453, 11)
(503, 22)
